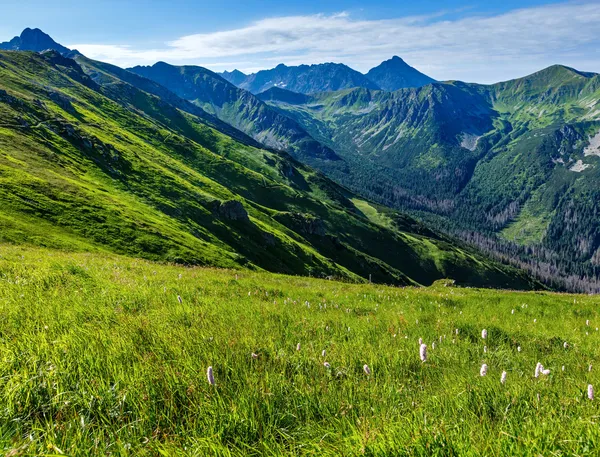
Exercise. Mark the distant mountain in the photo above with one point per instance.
(305, 79)
(394, 74)
(237, 107)
(235, 77)
(33, 40)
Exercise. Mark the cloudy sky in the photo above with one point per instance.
(481, 42)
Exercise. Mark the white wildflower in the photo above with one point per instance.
(366, 369)
(483, 370)
(209, 375)
(326, 365)
(590, 392)
(503, 377)
(423, 352)
(484, 334)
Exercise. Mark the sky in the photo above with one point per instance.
(474, 41)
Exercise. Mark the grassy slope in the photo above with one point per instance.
(114, 168)
(98, 356)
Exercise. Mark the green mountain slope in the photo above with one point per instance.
(237, 107)
(89, 161)
(519, 158)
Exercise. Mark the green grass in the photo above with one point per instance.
(98, 357)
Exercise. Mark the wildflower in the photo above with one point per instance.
(456, 331)
(519, 349)
(534, 321)
(485, 349)
(483, 370)
(298, 347)
(254, 355)
(590, 392)
(587, 322)
(484, 334)
(366, 369)
(563, 368)
(179, 299)
(565, 345)
(503, 378)
(323, 353)
(590, 368)
(538, 369)
(209, 375)
(512, 312)
(545, 372)
(326, 365)
(420, 341)
(423, 352)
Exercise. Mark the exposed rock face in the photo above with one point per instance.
(232, 210)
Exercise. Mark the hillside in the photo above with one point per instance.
(518, 159)
(91, 162)
(237, 107)
(105, 354)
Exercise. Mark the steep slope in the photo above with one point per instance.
(394, 74)
(33, 40)
(304, 79)
(238, 107)
(519, 159)
(91, 162)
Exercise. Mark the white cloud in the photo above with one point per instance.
(474, 48)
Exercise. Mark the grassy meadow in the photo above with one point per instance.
(108, 355)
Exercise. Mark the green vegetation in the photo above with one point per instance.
(98, 356)
(96, 158)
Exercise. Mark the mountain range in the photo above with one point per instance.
(390, 75)
(95, 157)
(509, 167)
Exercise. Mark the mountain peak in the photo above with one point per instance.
(33, 40)
(395, 73)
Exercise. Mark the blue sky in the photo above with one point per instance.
(481, 41)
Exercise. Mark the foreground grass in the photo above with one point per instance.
(98, 356)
